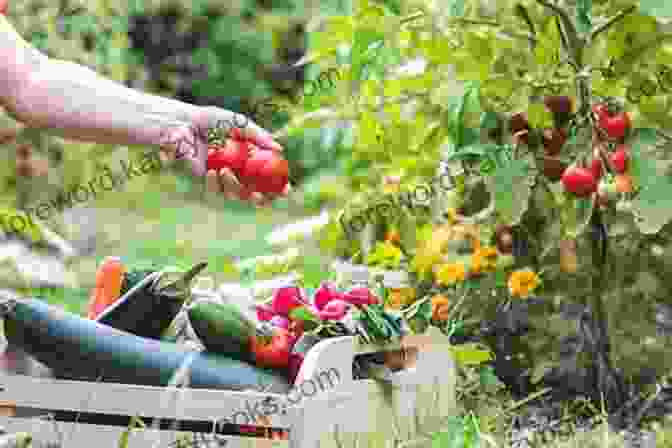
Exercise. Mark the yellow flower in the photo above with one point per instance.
(449, 274)
(484, 260)
(400, 297)
(523, 282)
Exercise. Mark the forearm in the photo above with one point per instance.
(76, 102)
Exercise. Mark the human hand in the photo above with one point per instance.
(190, 142)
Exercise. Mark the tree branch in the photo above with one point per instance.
(609, 23)
(570, 29)
(528, 37)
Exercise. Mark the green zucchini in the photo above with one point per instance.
(223, 329)
(82, 349)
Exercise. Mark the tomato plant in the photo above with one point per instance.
(543, 199)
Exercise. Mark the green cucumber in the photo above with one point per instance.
(223, 329)
(82, 349)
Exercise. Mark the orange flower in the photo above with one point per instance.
(440, 308)
(484, 260)
(523, 282)
(449, 274)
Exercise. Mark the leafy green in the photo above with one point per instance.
(656, 8)
(510, 189)
(653, 204)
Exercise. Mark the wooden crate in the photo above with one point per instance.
(322, 412)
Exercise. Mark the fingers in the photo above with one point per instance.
(260, 137)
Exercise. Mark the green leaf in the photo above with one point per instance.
(488, 377)
(365, 49)
(642, 137)
(583, 16)
(312, 272)
(539, 116)
(469, 354)
(547, 51)
(653, 205)
(455, 8)
(452, 436)
(510, 189)
(302, 313)
(655, 8)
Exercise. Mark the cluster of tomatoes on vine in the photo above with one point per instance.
(584, 178)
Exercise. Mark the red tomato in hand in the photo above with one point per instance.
(232, 155)
(273, 351)
(266, 172)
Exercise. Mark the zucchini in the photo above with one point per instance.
(82, 349)
(223, 329)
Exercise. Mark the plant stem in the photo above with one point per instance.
(412, 17)
(575, 46)
(609, 23)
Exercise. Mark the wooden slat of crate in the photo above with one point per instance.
(127, 399)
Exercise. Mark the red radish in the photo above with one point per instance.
(579, 181)
(360, 296)
(264, 313)
(286, 299)
(280, 321)
(4, 7)
(335, 310)
(619, 159)
(324, 295)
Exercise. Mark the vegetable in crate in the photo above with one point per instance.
(82, 349)
(149, 311)
(223, 329)
(108, 287)
(272, 347)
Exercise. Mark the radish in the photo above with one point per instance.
(280, 321)
(286, 299)
(324, 295)
(264, 313)
(335, 310)
(360, 296)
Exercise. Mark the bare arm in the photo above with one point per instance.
(75, 102)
